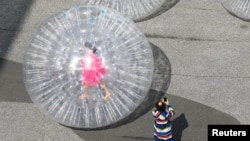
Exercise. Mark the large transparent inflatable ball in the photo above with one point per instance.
(239, 8)
(88, 67)
(137, 10)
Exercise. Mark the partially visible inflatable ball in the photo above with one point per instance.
(135, 9)
(239, 8)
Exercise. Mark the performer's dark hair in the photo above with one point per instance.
(90, 46)
(94, 50)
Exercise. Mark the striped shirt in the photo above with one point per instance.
(162, 125)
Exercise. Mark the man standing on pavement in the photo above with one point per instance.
(163, 112)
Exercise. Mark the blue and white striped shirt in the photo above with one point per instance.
(162, 125)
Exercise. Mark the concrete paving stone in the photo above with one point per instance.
(197, 20)
(5, 41)
(24, 122)
(206, 58)
(12, 87)
(230, 95)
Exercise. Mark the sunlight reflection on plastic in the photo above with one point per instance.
(240, 8)
(71, 46)
(134, 9)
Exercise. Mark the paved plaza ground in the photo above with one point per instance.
(207, 48)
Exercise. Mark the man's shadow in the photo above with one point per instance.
(178, 125)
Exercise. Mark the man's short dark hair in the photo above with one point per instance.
(160, 106)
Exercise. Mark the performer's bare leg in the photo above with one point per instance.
(85, 94)
(107, 93)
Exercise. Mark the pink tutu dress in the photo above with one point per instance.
(92, 69)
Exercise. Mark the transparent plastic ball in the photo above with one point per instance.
(239, 8)
(88, 67)
(134, 9)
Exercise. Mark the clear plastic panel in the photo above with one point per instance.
(240, 8)
(134, 9)
(55, 77)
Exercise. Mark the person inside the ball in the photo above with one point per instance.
(92, 71)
